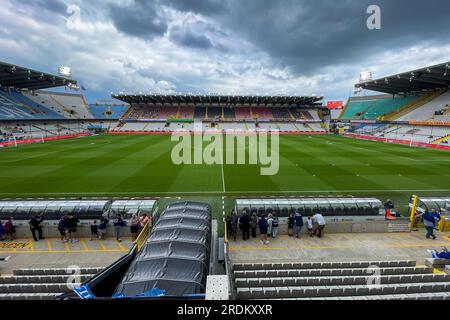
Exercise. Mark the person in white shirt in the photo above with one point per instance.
(320, 220)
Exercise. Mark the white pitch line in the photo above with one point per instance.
(223, 175)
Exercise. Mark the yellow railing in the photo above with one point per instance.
(444, 224)
(143, 235)
(413, 212)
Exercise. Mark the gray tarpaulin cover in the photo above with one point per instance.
(176, 255)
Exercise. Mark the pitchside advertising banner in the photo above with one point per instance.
(335, 104)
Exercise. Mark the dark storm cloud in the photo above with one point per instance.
(188, 37)
(306, 35)
(144, 19)
(303, 35)
(209, 7)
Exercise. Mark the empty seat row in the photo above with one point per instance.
(413, 296)
(337, 281)
(338, 291)
(41, 279)
(35, 288)
(29, 296)
(322, 265)
(329, 272)
(55, 271)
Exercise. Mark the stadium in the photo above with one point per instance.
(179, 180)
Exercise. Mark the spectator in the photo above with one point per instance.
(36, 225)
(118, 223)
(144, 219)
(10, 229)
(71, 224)
(389, 205)
(134, 226)
(2, 231)
(275, 224)
(94, 230)
(234, 224)
(444, 254)
(103, 226)
(437, 216)
(320, 220)
(430, 222)
(245, 225)
(298, 223)
(228, 224)
(291, 223)
(262, 224)
(309, 225)
(254, 225)
(62, 227)
(269, 225)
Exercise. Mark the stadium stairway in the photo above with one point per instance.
(412, 106)
(41, 284)
(357, 280)
(440, 140)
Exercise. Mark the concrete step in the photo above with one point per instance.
(337, 281)
(29, 296)
(41, 279)
(329, 272)
(322, 265)
(53, 271)
(340, 291)
(35, 288)
(414, 296)
(437, 263)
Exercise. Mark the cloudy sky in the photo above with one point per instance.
(298, 47)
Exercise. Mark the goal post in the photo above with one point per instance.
(11, 142)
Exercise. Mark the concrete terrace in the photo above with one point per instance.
(339, 247)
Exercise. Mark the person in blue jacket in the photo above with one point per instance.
(430, 222)
(263, 226)
(440, 255)
(298, 223)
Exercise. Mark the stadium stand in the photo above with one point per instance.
(242, 113)
(111, 112)
(374, 107)
(400, 280)
(281, 114)
(229, 113)
(71, 106)
(261, 113)
(40, 283)
(186, 112)
(214, 113)
(14, 105)
(428, 111)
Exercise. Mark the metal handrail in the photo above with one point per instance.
(142, 237)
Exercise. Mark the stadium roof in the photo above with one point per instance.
(25, 78)
(429, 78)
(173, 99)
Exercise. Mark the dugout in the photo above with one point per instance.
(53, 210)
(309, 206)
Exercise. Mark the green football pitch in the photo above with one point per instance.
(141, 165)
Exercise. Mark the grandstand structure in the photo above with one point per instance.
(413, 109)
(166, 113)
